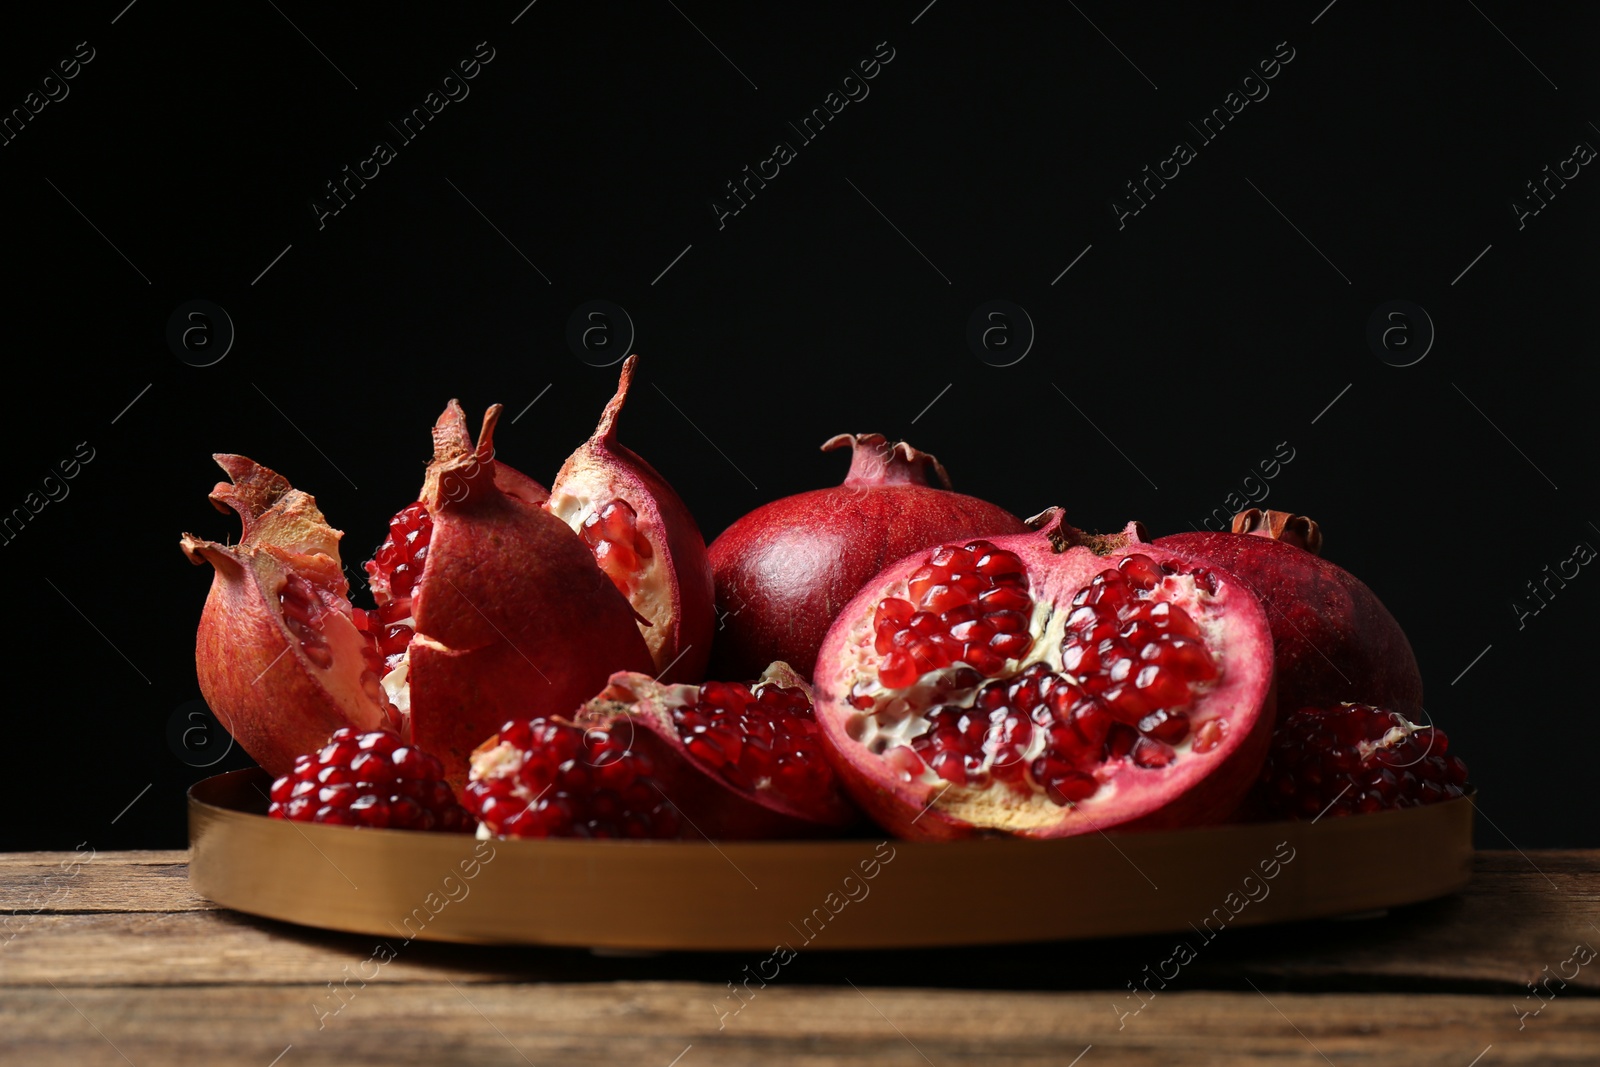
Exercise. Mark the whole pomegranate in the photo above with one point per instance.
(1334, 639)
(644, 538)
(487, 606)
(1047, 684)
(784, 570)
(1349, 759)
(723, 760)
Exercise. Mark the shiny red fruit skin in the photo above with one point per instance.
(784, 570)
(1334, 640)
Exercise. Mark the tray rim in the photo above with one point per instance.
(1445, 872)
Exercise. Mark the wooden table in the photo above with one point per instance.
(115, 960)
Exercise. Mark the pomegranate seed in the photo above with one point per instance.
(1355, 758)
(619, 546)
(368, 779)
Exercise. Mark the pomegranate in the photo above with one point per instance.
(487, 606)
(734, 761)
(643, 537)
(1354, 758)
(1047, 684)
(784, 570)
(372, 779)
(1334, 639)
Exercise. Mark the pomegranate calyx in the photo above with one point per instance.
(1063, 535)
(273, 512)
(452, 477)
(606, 429)
(1285, 526)
(875, 461)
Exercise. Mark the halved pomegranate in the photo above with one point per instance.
(1047, 684)
(644, 538)
(487, 606)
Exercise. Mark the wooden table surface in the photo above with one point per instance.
(116, 960)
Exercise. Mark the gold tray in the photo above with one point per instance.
(838, 894)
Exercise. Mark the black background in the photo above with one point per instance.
(1190, 342)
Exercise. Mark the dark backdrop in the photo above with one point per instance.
(1185, 345)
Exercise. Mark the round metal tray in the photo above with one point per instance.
(869, 892)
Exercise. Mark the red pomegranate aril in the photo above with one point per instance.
(1352, 759)
(368, 779)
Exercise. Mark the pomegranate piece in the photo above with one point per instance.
(784, 570)
(1047, 684)
(487, 606)
(369, 779)
(646, 760)
(279, 657)
(645, 540)
(547, 777)
(1334, 639)
(1350, 759)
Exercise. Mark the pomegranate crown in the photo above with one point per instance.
(1285, 526)
(273, 513)
(453, 476)
(1052, 522)
(875, 461)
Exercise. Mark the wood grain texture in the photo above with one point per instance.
(654, 1023)
(115, 960)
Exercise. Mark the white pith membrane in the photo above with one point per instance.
(574, 503)
(899, 715)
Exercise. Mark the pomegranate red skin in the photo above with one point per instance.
(1335, 642)
(785, 570)
(273, 699)
(1059, 560)
(680, 642)
(514, 617)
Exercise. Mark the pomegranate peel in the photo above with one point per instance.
(784, 570)
(644, 538)
(512, 617)
(1334, 640)
(276, 640)
(1047, 684)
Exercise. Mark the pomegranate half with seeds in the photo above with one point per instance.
(1047, 684)
(643, 537)
(487, 606)
(723, 760)
(784, 570)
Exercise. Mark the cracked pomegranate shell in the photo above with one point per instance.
(488, 606)
(1047, 684)
(644, 538)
